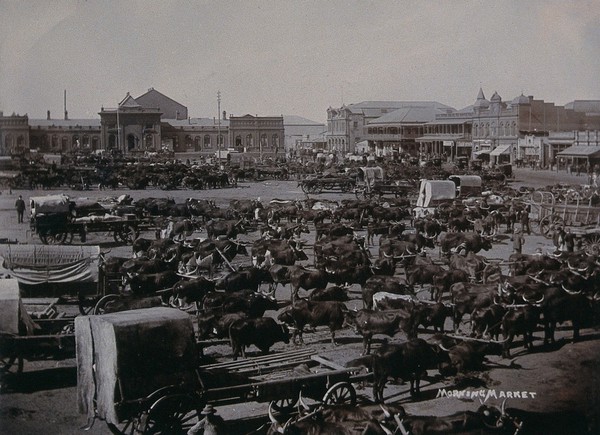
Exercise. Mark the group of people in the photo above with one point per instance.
(564, 241)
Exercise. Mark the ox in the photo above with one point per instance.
(313, 313)
(469, 242)
(263, 332)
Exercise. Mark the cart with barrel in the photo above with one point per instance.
(139, 371)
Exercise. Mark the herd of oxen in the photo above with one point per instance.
(230, 279)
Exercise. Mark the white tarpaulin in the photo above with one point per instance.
(38, 264)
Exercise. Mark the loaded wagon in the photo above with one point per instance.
(139, 372)
(573, 213)
(374, 184)
(31, 329)
(70, 274)
(328, 183)
(56, 219)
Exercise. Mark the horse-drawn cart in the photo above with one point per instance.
(573, 213)
(31, 329)
(56, 219)
(138, 371)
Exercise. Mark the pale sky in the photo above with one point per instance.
(292, 57)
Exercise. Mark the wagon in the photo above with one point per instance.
(69, 274)
(575, 213)
(31, 329)
(56, 219)
(327, 183)
(374, 184)
(153, 384)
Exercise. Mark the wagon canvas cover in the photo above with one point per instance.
(38, 264)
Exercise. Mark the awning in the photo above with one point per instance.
(581, 151)
(439, 137)
(500, 150)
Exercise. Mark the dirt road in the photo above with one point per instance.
(565, 376)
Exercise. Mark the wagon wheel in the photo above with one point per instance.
(127, 427)
(100, 306)
(548, 223)
(342, 393)
(305, 187)
(592, 244)
(173, 414)
(285, 406)
(316, 188)
(126, 234)
(54, 238)
(7, 363)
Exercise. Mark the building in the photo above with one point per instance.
(300, 132)
(14, 133)
(257, 137)
(169, 108)
(396, 132)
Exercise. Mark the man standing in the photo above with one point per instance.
(20, 206)
(518, 241)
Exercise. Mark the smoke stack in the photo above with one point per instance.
(48, 115)
(65, 105)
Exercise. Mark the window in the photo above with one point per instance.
(207, 143)
(197, 143)
(188, 141)
(276, 140)
(249, 140)
(263, 140)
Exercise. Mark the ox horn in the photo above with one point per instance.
(272, 417)
(502, 407)
(573, 269)
(302, 402)
(400, 424)
(385, 411)
(441, 346)
(386, 430)
(571, 292)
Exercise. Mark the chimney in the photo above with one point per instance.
(66, 113)
(224, 115)
(48, 115)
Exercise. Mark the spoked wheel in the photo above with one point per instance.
(126, 234)
(285, 406)
(342, 393)
(100, 306)
(54, 238)
(548, 223)
(127, 427)
(11, 364)
(174, 414)
(591, 244)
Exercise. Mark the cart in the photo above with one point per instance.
(69, 274)
(56, 219)
(31, 329)
(165, 393)
(330, 184)
(575, 213)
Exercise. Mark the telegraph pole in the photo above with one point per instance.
(219, 127)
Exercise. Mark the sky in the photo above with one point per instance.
(292, 57)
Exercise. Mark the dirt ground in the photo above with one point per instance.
(565, 376)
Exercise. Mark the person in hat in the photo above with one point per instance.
(20, 206)
(518, 241)
(211, 424)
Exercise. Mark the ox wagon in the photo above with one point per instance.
(574, 212)
(56, 219)
(328, 183)
(374, 184)
(153, 384)
(31, 329)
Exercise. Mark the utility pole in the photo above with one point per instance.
(219, 126)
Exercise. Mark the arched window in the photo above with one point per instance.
(238, 141)
(249, 140)
(54, 142)
(131, 142)
(197, 143)
(207, 143)
(276, 140)
(493, 129)
(64, 143)
(514, 129)
(188, 141)
(263, 140)
(149, 141)
(86, 141)
(76, 141)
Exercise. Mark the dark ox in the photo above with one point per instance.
(469, 242)
(407, 361)
(307, 280)
(251, 303)
(145, 284)
(467, 297)
(368, 323)
(282, 252)
(331, 293)
(193, 290)
(227, 228)
(519, 321)
(472, 264)
(443, 282)
(423, 274)
(263, 333)
(469, 355)
(250, 278)
(313, 313)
